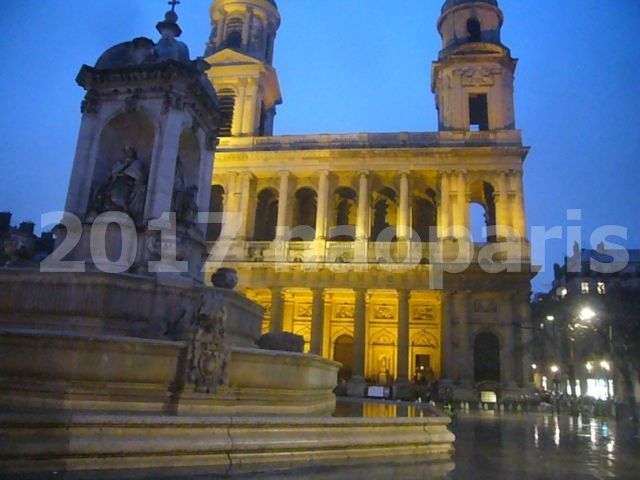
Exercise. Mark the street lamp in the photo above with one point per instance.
(554, 369)
(551, 318)
(587, 314)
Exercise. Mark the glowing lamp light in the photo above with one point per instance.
(604, 364)
(587, 314)
(551, 318)
(534, 366)
(555, 369)
(589, 366)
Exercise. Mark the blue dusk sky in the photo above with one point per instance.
(357, 66)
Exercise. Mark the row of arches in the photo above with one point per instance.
(383, 213)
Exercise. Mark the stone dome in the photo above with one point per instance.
(454, 3)
(140, 51)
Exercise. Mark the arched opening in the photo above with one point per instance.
(346, 209)
(185, 200)
(120, 177)
(343, 353)
(425, 217)
(482, 212)
(227, 103)
(384, 215)
(305, 208)
(233, 39)
(474, 30)
(216, 206)
(486, 358)
(266, 216)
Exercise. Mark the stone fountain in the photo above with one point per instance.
(114, 352)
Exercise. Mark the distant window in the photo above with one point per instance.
(602, 288)
(478, 112)
(584, 287)
(474, 29)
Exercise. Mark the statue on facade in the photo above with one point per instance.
(125, 189)
(184, 202)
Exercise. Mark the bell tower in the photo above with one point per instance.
(474, 75)
(240, 50)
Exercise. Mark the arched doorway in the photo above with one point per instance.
(343, 353)
(486, 358)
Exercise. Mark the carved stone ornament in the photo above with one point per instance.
(478, 76)
(91, 102)
(345, 311)
(487, 305)
(225, 278)
(305, 311)
(131, 102)
(423, 313)
(384, 312)
(208, 355)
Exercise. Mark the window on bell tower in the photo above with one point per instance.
(478, 112)
(233, 38)
(474, 29)
(227, 102)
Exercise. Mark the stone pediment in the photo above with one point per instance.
(231, 57)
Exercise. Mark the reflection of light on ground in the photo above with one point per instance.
(536, 436)
(594, 434)
(556, 435)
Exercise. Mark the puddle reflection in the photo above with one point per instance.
(545, 446)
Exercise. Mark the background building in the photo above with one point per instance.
(587, 328)
(340, 237)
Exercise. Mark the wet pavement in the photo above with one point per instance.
(539, 446)
(488, 446)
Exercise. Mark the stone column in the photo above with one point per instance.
(445, 206)
(507, 344)
(446, 342)
(321, 214)
(245, 197)
(277, 310)
(363, 207)
(403, 336)
(246, 28)
(518, 213)
(402, 228)
(523, 334)
(317, 321)
(357, 384)
(362, 227)
(465, 353)
(230, 209)
(238, 113)
(283, 200)
(459, 205)
(250, 109)
(503, 216)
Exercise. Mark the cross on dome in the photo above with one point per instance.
(174, 4)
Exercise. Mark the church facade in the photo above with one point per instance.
(360, 242)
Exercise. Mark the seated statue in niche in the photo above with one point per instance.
(124, 191)
(184, 202)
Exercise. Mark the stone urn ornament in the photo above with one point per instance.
(226, 278)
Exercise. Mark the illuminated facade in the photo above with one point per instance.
(343, 237)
